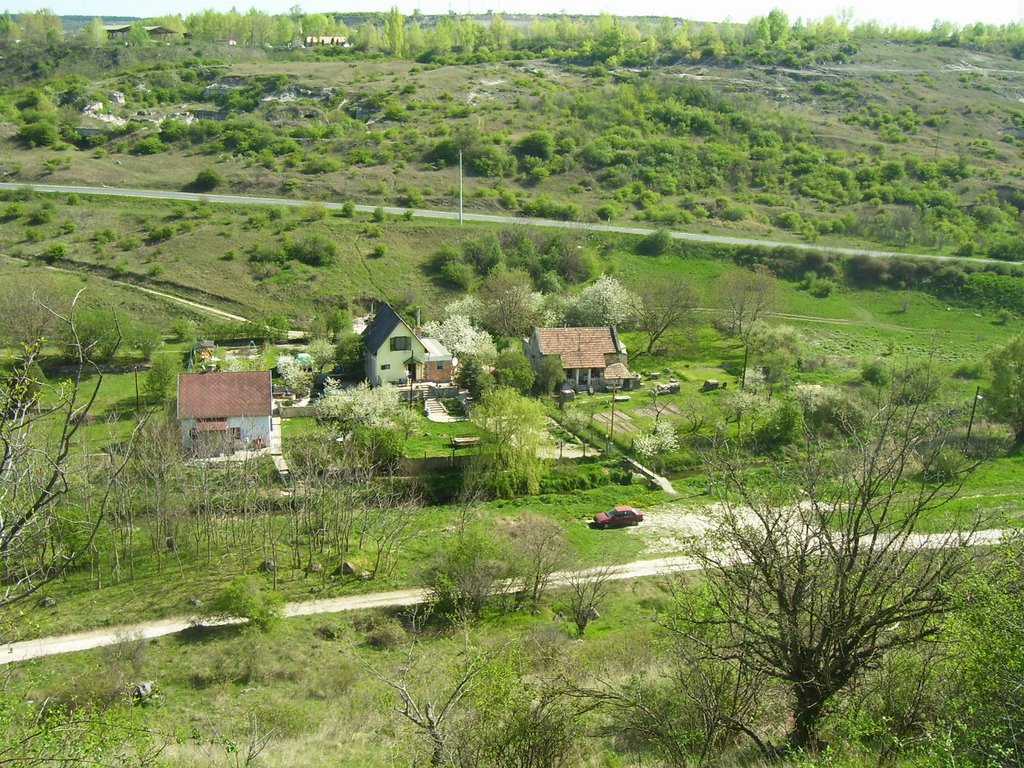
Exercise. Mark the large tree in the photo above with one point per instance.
(744, 297)
(815, 572)
(605, 302)
(508, 304)
(1005, 397)
(664, 305)
(512, 428)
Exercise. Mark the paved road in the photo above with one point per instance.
(81, 641)
(699, 237)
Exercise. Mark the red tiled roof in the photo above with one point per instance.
(224, 394)
(578, 347)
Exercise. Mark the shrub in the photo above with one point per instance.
(378, 214)
(874, 372)
(206, 180)
(969, 370)
(150, 145)
(546, 207)
(348, 209)
(655, 244)
(55, 253)
(315, 250)
(538, 144)
(246, 597)
(41, 133)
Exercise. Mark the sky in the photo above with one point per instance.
(915, 13)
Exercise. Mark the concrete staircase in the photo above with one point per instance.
(435, 410)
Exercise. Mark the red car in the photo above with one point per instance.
(618, 517)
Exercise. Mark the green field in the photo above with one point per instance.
(817, 135)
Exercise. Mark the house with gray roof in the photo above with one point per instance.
(397, 354)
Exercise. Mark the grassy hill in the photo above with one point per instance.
(898, 145)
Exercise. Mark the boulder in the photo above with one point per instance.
(142, 691)
(47, 602)
(268, 566)
(314, 567)
(348, 569)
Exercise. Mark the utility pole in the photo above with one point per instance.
(460, 187)
(970, 423)
(611, 427)
(138, 408)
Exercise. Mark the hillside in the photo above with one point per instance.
(837, 436)
(895, 145)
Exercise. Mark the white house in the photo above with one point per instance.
(225, 411)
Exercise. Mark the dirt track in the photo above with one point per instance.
(663, 528)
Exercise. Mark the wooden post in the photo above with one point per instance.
(970, 423)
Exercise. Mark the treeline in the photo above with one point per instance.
(773, 38)
(970, 283)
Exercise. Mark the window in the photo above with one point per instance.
(401, 343)
(440, 366)
(386, 367)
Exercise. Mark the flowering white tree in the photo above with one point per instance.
(662, 439)
(360, 405)
(322, 352)
(295, 377)
(461, 337)
(467, 306)
(605, 302)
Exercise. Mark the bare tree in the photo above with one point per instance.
(433, 715)
(587, 588)
(678, 705)
(39, 423)
(815, 572)
(664, 305)
(541, 550)
(389, 522)
(744, 296)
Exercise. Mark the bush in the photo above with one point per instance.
(41, 133)
(546, 207)
(385, 634)
(206, 180)
(539, 144)
(780, 428)
(969, 370)
(655, 244)
(247, 597)
(874, 372)
(315, 250)
(150, 145)
(55, 253)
